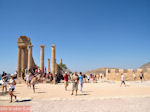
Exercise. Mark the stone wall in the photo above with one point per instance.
(111, 74)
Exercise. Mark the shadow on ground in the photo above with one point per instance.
(27, 100)
(84, 94)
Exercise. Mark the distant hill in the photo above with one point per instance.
(100, 70)
(147, 65)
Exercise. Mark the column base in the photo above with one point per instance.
(20, 81)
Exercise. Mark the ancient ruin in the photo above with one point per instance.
(26, 61)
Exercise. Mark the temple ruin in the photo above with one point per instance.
(26, 61)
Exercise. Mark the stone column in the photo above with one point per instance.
(53, 62)
(48, 66)
(26, 57)
(30, 57)
(42, 59)
(56, 67)
(19, 62)
(23, 58)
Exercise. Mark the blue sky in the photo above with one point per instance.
(88, 33)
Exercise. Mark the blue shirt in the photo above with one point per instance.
(80, 78)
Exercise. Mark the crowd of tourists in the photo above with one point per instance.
(141, 76)
(35, 76)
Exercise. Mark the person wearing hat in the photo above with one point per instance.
(12, 84)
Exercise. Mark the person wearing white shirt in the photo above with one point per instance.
(122, 80)
(12, 84)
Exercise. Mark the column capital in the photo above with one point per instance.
(30, 46)
(42, 46)
(53, 46)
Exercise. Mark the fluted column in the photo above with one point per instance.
(42, 59)
(53, 62)
(19, 62)
(23, 58)
(48, 66)
(30, 57)
(55, 67)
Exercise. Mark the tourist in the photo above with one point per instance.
(45, 70)
(51, 77)
(4, 82)
(30, 78)
(93, 77)
(75, 80)
(101, 75)
(141, 76)
(84, 78)
(23, 74)
(98, 76)
(66, 80)
(27, 79)
(122, 80)
(12, 84)
(24, 78)
(81, 81)
(38, 77)
(39, 71)
(36, 71)
(88, 78)
(134, 76)
(33, 82)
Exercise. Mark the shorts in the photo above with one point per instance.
(34, 82)
(66, 83)
(122, 82)
(74, 86)
(5, 84)
(11, 89)
(141, 78)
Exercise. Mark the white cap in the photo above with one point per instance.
(65, 72)
(12, 75)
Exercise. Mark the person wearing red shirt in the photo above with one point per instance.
(66, 80)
